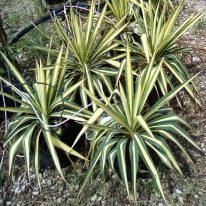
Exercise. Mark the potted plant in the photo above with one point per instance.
(46, 105)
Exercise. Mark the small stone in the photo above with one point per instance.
(130, 197)
(196, 196)
(49, 182)
(99, 198)
(23, 188)
(35, 193)
(59, 200)
(103, 203)
(200, 193)
(195, 59)
(65, 195)
(19, 179)
(177, 191)
(180, 200)
(160, 204)
(8, 203)
(93, 198)
(61, 188)
(43, 181)
(33, 176)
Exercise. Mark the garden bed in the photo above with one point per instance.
(189, 189)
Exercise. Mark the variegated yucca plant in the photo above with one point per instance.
(43, 104)
(132, 124)
(159, 33)
(90, 41)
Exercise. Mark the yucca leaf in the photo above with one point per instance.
(12, 153)
(36, 157)
(17, 131)
(134, 161)
(105, 150)
(26, 146)
(48, 138)
(61, 145)
(17, 74)
(148, 161)
(169, 156)
(121, 152)
(129, 82)
(111, 113)
(161, 102)
(17, 110)
(111, 158)
(172, 138)
(92, 119)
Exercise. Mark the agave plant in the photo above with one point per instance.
(132, 129)
(89, 50)
(159, 35)
(45, 105)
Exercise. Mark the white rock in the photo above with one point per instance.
(99, 198)
(59, 199)
(93, 198)
(49, 182)
(130, 197)
(35, 193)
(8, 203)
(195, 59)
(180, 200)
(19, 179)
(177, 191)
(43, 181)
(23, 188)
(33, 176)
(196, 196)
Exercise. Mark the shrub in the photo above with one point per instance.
(44, 103)
(134, 129)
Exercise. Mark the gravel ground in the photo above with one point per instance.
(188, 190)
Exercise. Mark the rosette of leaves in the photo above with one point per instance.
(134, 129)
(90, 41)
(159, 33)
(120, 9)
(45, 105)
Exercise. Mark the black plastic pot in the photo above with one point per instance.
(53, 2)
(5, 102)
(68, 136)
